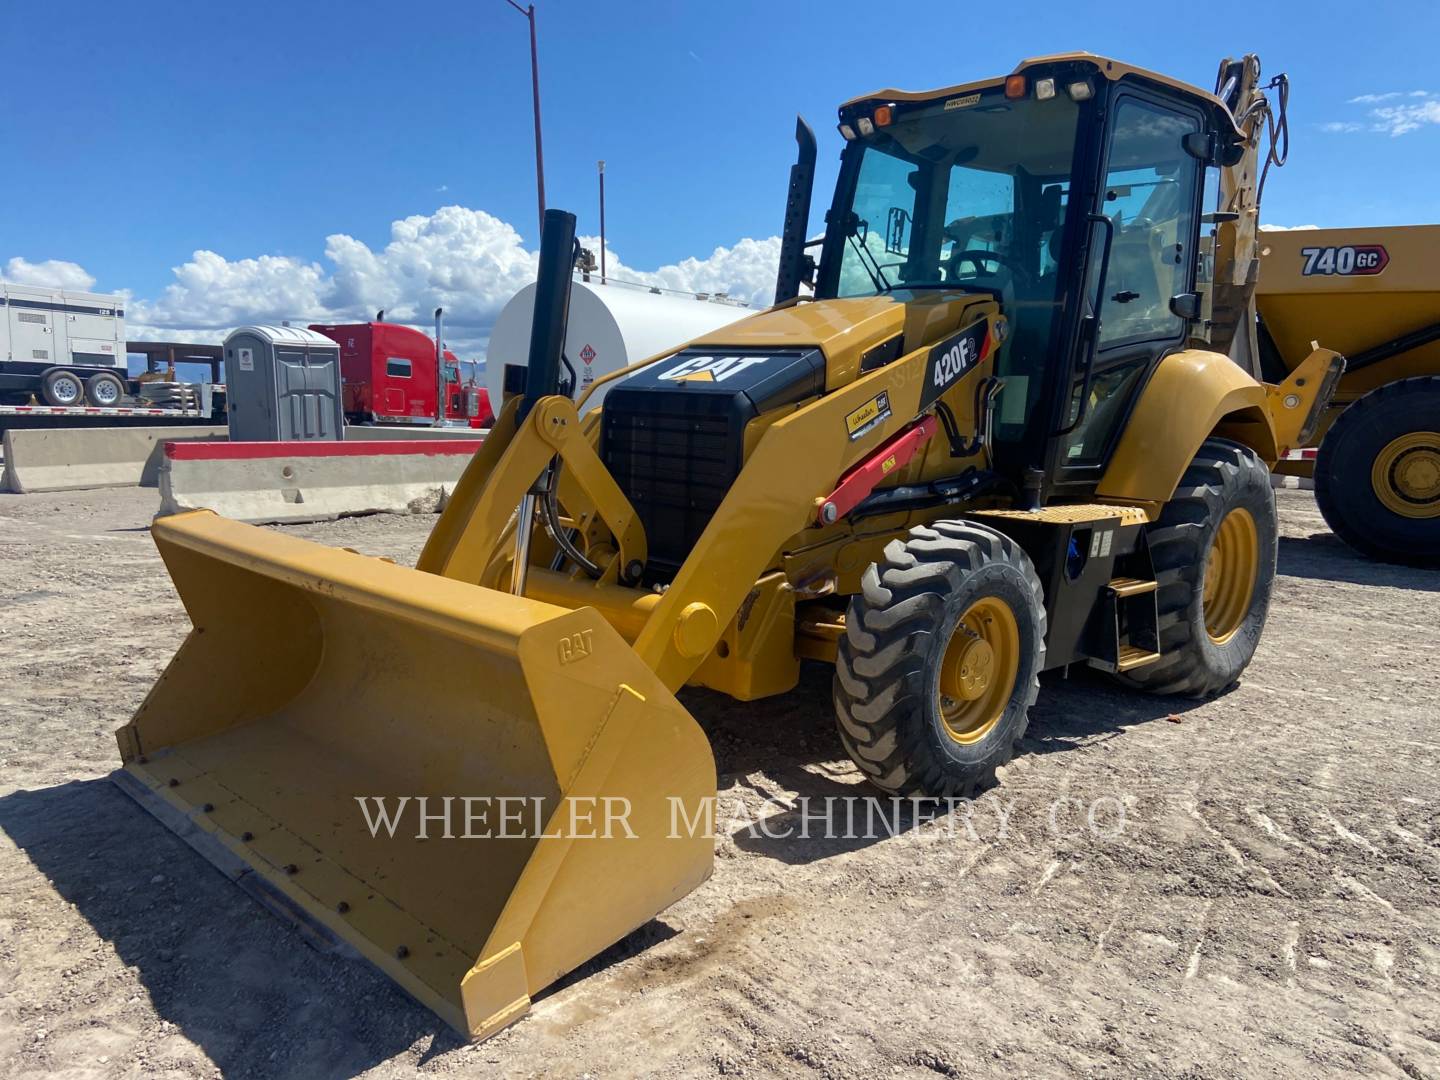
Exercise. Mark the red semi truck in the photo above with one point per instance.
(389, 375)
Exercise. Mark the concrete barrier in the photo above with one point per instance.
(68, 459)
(280, 482)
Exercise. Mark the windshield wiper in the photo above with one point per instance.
(869, 262)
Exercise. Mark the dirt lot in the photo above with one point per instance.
(1246, 886)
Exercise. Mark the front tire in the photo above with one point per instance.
(1213, 550)
(939, 664)
(1377, 475)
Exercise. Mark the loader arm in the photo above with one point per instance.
(799, 453)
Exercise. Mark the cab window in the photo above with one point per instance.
(1149, 195)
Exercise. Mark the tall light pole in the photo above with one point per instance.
(601, 164)
(529, 13)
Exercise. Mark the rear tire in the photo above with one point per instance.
(1377, 475)
(955, 607)
(104, 390)
(1213, 550)
(62, 389)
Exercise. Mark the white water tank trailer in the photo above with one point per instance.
(611, 326)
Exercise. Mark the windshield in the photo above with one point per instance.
(968, 193)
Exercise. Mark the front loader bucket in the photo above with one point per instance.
(316, 679)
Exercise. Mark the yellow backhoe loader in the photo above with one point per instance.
(980, 446)
(1374, 294)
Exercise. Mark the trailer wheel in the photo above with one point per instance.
(1213, 550)
(939, 664)
(1377, 475)
(62, 388)
(104, 390)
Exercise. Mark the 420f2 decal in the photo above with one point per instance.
(951, 359)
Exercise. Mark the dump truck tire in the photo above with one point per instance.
(1377, 475)
(955, 607)
(1213, 550)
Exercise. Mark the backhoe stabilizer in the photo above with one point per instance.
(324, 695)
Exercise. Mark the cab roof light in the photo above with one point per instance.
(865, 126)
(883, 115)
(1015, 86)
(1044, 89)
(1080, 91)
(847, 131)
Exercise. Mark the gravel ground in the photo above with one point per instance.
(1242, 887)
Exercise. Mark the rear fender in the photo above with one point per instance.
(1193, 395)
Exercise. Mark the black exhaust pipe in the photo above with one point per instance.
(797, 216)
(552, 308)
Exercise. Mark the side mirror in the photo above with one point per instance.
(1208, 147)
(1199, 144)
(1186, 305)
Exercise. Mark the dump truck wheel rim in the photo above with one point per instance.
(977, 673)
(1230, 572)
(1406, 475)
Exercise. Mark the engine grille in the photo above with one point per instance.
(675, 460)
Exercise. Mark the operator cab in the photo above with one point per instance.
(1074, 177)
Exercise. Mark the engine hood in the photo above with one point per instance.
(855, 333)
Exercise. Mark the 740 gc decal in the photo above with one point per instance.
(1347, 261)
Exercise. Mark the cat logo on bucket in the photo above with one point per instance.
(575, 647)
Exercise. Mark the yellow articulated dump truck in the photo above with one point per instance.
(1373, 294)
(974, 441)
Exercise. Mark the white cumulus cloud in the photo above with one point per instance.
(464, 260)
(50, 274)
(1394, 113)
(1403, 119)
(1287, 228)
(1375, 99)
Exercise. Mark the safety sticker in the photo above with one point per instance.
(864, 419)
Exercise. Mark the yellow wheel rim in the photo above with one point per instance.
(1406, 475)
(977, 673)
(1230, 572)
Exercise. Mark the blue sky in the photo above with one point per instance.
(262, 129)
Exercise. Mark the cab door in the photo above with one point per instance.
(1143, 256)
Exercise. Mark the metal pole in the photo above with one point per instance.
(602, 222)
(529, 13)
(439, 367)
